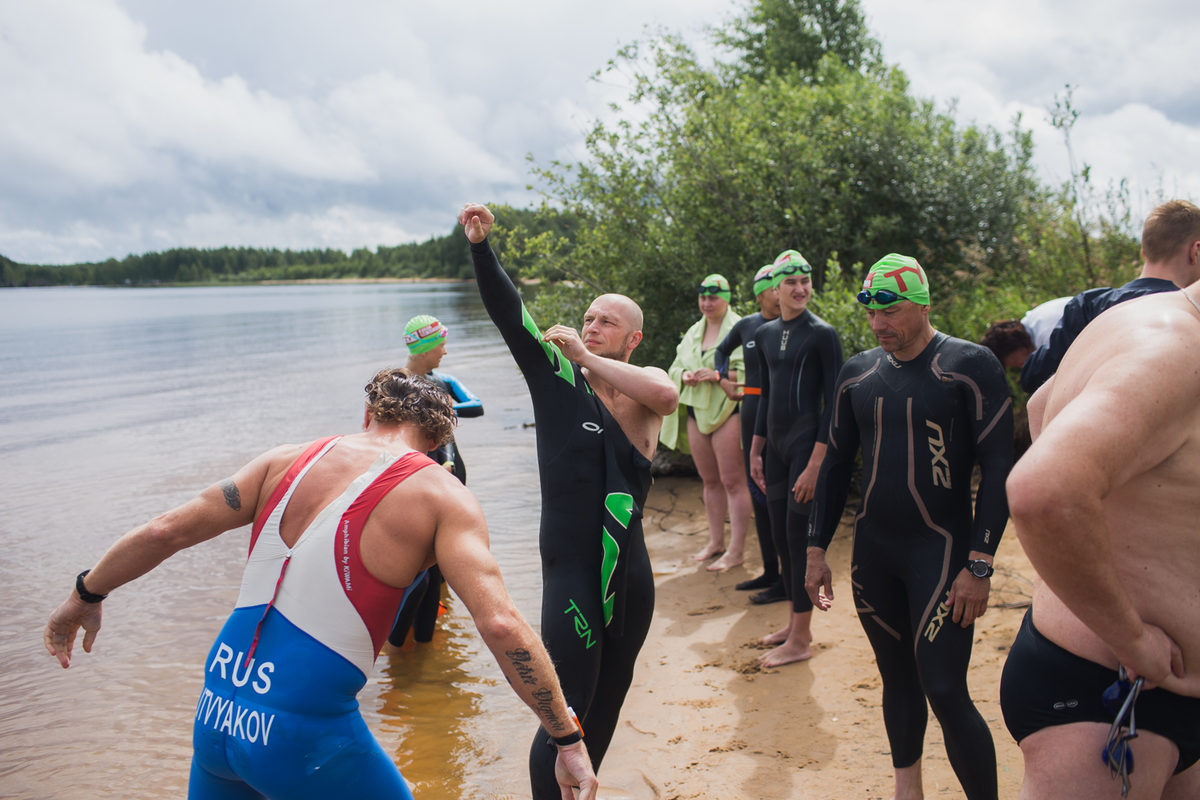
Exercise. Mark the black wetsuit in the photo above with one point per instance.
(798, 362)
(742, 335)
(597, 584)
(922, 425)
(1082, 309)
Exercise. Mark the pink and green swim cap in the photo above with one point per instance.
(423, 333)
(894, 278)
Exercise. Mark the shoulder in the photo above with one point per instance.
(821, 326)
(430, 489)
(960, 355)
(771, 325)
(859, 365)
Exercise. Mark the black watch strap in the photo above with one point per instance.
(84, 594)
(572, 737)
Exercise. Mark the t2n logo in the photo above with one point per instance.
(937, 448)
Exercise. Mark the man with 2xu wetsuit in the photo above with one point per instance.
(925, 408)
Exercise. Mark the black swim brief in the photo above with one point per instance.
(1045, 685)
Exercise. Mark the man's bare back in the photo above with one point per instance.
(1121, 436)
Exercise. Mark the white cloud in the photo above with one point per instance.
(133, 125)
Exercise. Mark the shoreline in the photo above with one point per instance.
(703, 720)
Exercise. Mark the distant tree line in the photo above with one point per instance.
(439, 257)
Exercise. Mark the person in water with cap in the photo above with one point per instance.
(711, 423)
(425, 338)
(925, 409)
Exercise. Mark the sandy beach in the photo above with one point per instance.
(703, 721)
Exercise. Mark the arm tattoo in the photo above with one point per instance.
(232, 498)
(543, 699)
(520, 660)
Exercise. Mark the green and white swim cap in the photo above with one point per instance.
(715, 284)
(894, 278)
(762, 279)
(423, 333)
(789, 262)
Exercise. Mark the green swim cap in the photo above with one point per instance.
(762, 279)
(894, 278)
(715, 284)
(423, 333)
(789, 262)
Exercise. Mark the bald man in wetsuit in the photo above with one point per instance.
(341, 526)
(925, 409)
(1105, 504)
(598, 419)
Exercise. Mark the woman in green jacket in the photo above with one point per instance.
(710, 419)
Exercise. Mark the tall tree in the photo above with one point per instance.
(794, 35)
(719, 176)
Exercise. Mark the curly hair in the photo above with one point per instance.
(394, 395)
(1006, 337)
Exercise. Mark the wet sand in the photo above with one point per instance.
(703, 721)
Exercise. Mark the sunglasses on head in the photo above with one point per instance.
(791, 269)
(882, 296)
(714, 289)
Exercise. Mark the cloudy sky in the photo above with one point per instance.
(137, 125)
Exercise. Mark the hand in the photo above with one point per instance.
(757, 475)
(706, 374)
(568, 342)
(64, 624)
(806, 484)
(476, 221)
(732, 389)
(573, 769)
(968, 597)
(818, 579)
(689, 379)
(1154, 656)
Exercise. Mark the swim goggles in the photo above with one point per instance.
(790, 269)
(881, 296)
(1120, 698)
(710, 289)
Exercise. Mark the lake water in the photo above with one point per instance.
(116, 404)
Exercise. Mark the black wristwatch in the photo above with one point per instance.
(980, 568)
(84, 594)
(572, 737)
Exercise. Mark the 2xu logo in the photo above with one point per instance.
(937, 448)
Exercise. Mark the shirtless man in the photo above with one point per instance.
(341, 526)
(598, 419)
(1105, 506)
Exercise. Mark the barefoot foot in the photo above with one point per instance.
(712, 551)
(778, 637)
(786, 653)
(727, 561)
